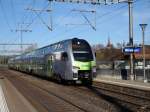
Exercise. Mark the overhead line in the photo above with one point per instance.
(93, 27)
(62, 18)
(107, 13)
(118, 9)
(13, 44)
(33, 20)
(26, 16)
(23, 19)
(43, 21)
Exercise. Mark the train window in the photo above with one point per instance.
(81, 50)
(64, 56)
(95, 54)
(58, 56)
(80, 45)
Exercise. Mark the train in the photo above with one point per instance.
(68, 60)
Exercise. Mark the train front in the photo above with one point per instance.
(84, 64)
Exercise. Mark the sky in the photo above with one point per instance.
(109, 21)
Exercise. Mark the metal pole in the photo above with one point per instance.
(21, 30)
(145, 80)
(131, 37)
(51, 20)
(21, 40)
(143, 26)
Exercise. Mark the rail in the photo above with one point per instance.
(137, 99)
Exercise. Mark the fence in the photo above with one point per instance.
(107, 69)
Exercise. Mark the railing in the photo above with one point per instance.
(106, 69)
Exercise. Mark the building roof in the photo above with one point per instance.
(117, 54)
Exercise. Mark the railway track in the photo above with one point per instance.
(70, 95)
(47, 96)
(135, 99)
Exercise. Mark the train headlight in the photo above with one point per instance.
(94, 72)
(75, 69)
(94, 69)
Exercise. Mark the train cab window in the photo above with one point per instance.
(81, 50)
(64, 56)
(95, 54)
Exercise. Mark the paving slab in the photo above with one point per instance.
(15, 101)
(127, 83)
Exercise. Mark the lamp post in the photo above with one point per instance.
(130, 6)
(143, 26)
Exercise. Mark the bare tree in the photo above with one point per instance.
(119, 45)
(31, 48)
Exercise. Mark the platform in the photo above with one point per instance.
(3, 104)
(127, 83)
(11, 99)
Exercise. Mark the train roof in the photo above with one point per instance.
(32, 53)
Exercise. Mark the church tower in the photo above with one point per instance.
(109, 44)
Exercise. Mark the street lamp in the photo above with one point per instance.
(143, 26)
(130, 6)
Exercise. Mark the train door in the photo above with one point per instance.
(64, 59)
(49, 66)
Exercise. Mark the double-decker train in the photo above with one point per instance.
(68, 60)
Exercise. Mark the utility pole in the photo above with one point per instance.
(143, 26)
(38, 15)
(21, 30)
(130, 2)
(106, 2)
(93, 26)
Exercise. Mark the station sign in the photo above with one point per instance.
(132, 49)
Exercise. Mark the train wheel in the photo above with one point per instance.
(88, 82)
(58, 79)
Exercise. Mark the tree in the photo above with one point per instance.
(31, 48)
(97, 47)
(119, 45)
